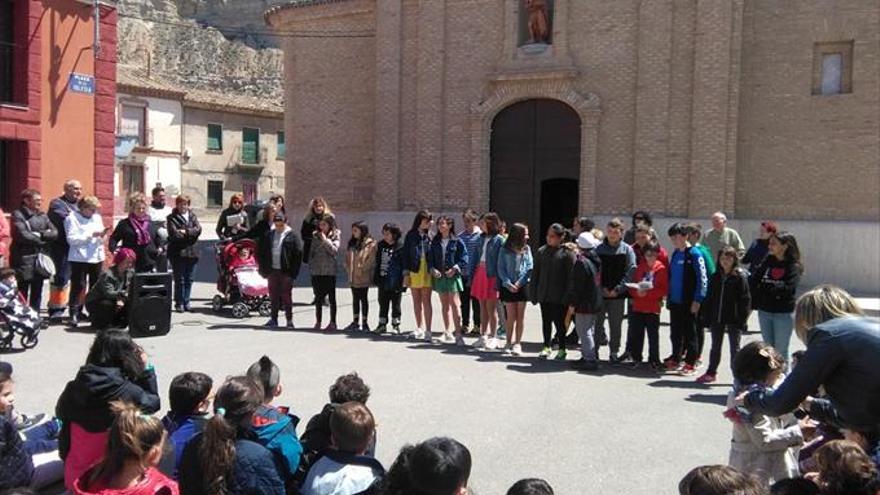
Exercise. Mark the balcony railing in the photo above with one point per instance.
(247, 156)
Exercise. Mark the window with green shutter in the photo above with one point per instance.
(215, 137)
(250, 146)
(281, 147)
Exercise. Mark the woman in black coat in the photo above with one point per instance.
(183, 234)
(137, 233)
(233, 220)
(32, 235)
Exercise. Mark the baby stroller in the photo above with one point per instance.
(18, 319)
(240, 283)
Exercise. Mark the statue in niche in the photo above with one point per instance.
(538, 21)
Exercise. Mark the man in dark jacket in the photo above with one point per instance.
(584, 297)
(59, 209)
(618, 266)
(279, 255)
(32, 234)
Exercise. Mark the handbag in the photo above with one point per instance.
(43, 264)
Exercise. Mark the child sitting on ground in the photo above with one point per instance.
(273, 426)
(763, 446)
(346, 469)
(719, 480)
(190, 396)
(134, 449)
(29, 457)
(531, 486)
(844, 469)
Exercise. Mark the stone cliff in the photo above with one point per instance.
(213, 45)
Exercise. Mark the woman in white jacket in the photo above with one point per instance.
(85, 235)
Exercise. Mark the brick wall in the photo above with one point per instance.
(705, 105)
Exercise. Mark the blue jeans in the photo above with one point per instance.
(42, 438)
(776, 330)
(183, 269)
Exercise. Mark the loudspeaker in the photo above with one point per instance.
(149, 313)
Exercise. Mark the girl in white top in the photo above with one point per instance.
(86, 235)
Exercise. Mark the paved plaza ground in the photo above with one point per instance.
(616, 431)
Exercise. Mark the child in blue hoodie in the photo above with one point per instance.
(273, 426)
(190, 396)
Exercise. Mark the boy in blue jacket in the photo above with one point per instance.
(688, 284)
(273, 426)
(190, 396)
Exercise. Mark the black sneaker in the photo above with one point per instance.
(601, 339)
(625, 358)
(572, 339)
(382, 328)
(614, 359)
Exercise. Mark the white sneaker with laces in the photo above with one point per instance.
(480, 343)
(492, 344)
(516, 350)
(508, 349)
(447, 338)
(418, 334)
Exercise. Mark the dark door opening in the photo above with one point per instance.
(535, 164)
(557, 205)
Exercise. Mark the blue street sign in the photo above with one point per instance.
(81, 83)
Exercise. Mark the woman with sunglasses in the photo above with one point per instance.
(233, 220)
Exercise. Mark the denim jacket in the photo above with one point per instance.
(414, 246)
(509, 272)
(456, 255)
(492, 249)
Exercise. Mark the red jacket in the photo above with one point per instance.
(154, 483)
(653, 299)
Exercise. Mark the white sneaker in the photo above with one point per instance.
(428, 337)
(492, 344)
(447, 338)
(516, 350)
(480, 343)
(418, 334)
(508, 349)
(459, 341)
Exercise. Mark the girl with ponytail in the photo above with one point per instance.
(225, 459)
(134, 449)
(438, 466)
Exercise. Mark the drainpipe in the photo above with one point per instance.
(97, 47)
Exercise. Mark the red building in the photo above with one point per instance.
(57, 97)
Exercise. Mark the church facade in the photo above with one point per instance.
(542, 109)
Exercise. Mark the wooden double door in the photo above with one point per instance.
(535, 165)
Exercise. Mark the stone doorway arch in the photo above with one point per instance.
(507, 92)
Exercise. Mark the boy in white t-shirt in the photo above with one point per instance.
(346, 470)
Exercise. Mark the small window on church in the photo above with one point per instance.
(832, 68)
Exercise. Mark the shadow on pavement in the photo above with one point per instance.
(717, 399)
(690, 383)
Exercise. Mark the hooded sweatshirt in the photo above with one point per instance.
(154, 483)
(276, 431)
(84, 409)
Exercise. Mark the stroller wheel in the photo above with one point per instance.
(217, 302)
(240, 310)
(29, 341)
(265, 308)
